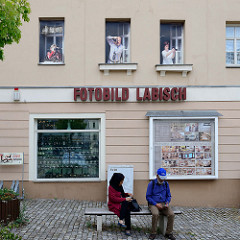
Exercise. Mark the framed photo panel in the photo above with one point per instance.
(185, 147)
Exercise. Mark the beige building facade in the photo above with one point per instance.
(73, 101)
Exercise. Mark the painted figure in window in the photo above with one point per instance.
(167, 54)
(116, 49)
(54, 54)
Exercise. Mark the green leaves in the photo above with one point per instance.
(12, 12)
(6, 234)
(7, 194)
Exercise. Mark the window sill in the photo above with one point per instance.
(68, 180)
(183, 68)
(51, 63)
(233, 66)
(128, 67)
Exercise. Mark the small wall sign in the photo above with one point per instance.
(11, 158)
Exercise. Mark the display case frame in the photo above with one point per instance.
(33, 135)
(152, 170)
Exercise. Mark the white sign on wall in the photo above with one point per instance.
(11, 158)
(127, 171)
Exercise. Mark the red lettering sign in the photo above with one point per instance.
(122, 94)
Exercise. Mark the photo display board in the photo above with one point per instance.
(185, 148)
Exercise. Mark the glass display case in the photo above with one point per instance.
(185, 148)
(68, 148)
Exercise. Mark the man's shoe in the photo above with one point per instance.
(152, 236)
(170, 236)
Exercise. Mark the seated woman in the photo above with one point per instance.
(119, 201)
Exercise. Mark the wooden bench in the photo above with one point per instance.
(99, 212)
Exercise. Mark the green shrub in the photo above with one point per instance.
(7, 194)
(6, 234)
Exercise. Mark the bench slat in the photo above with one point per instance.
(105, 211)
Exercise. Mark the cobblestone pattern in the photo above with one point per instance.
(65, 220)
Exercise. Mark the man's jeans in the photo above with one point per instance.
(155, 216)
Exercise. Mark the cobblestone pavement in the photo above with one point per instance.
(64, 219)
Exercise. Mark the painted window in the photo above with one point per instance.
(118, 42)
(171, 43)
(232, 45)
(186, 148)
(51, 48)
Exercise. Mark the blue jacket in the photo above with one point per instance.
(158, 193)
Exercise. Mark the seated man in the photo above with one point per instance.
(158, 196)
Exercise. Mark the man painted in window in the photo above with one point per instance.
(116, 49)
(167, 54)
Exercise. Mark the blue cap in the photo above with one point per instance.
(161, 172)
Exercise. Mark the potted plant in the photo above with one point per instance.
(9, 205)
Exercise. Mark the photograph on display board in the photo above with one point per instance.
(204, 131)
(191, 127)
(169, 149)
(187, 171)
(186, 149)
(203, 156)
(203, 149)
(117, 42)
(203, 171)
(203, 163)
(187, 163)
(172, 171)
(177, 132)
(169, 163)
(191, 132)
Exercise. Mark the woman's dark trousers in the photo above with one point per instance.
(125, 214)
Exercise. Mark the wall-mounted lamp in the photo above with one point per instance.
(16, 94)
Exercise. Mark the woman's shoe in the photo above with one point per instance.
(121, 225)
(128, 233)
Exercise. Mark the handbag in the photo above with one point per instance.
(134, 206)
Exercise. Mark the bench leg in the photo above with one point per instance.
(99, 223)
(163, 224)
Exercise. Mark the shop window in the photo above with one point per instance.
(185, 147)
(118, 42)
(233, 45)
(67, 149)
(171, 43)
(51, 41)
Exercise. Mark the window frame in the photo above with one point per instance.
(173, 23)
(123, 21)
(33, 133)
(235, 64)
(54, 36)
(152, 171)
